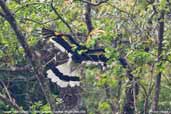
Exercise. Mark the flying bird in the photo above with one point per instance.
(63, 74)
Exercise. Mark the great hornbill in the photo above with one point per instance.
(62, 74)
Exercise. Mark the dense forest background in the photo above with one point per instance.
(135, 35)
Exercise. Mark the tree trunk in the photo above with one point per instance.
(129, 105)
(37, 67)
(158, 77)
(132, 91)
(88, 17)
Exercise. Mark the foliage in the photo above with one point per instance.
(125, 28)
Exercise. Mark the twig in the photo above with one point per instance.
(29, 4)
(153, 14)
(133, 7)
(63, 20)
(130, 15)
(6, 90)
(9, 102)
(159, 58)
(118, 97)
(134, 95)
(17, 69)
(118, 8)
(40, 23)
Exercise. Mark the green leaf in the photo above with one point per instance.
(104, 106)
(45, 107)
(162, 4)
(140, 57)
(160, 67)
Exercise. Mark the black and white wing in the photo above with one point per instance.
(62, 76)
(90, 56)
(68, 38)
(94, 56)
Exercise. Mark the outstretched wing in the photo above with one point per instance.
(60, 78)
(68, 38)
(56, 73)
(89, 56)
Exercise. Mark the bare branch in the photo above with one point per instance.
(9, 102)
(160, 50)
(6, 90)
(60, 17)
(26, 68)
(121, 10)
(37, 22)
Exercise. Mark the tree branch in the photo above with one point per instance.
(9, 102)
(37, 22)
(94, 4)
(132, 91)
(17, 69)
(34, 62)
(160, 46)
(6, 90)
(63, 20)
(88, 17)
